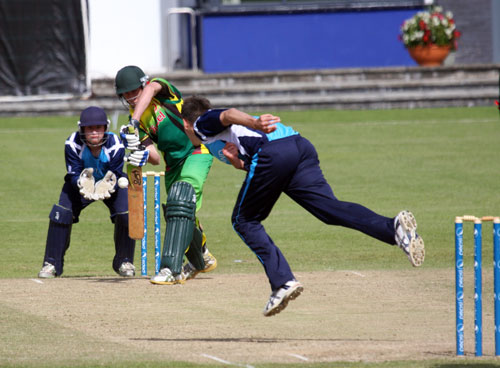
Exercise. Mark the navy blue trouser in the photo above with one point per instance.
(67, 212)
(291, 166)
(71, 199)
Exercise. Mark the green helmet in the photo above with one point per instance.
(129, 78)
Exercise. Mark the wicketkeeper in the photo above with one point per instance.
(94, 163)
(279, 160)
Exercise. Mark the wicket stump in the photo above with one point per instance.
(459, 282)
(157, 222)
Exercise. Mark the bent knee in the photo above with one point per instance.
(61, 215)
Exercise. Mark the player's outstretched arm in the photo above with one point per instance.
(265, 123)
(145, 98)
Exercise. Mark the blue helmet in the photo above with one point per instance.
(93, 115)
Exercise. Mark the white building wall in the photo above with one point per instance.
(125, 32)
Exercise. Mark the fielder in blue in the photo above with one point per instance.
(94, 162)
(279, 160)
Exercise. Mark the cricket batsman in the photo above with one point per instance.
(155, 106)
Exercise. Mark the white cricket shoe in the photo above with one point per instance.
(189, 271)
(48, 271)
(210, 261)
(279, 299)
(165, 277)
(126, 269)
(407, 238)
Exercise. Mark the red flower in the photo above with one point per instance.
(427, 36)
(422, 25)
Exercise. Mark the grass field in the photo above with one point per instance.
(438, 163)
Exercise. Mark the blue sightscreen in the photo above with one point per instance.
(263, 42)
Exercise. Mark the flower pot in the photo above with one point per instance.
(430, 55)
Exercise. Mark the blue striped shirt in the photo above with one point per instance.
(214, 136)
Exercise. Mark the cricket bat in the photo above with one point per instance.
(135, 199)
(135, 202)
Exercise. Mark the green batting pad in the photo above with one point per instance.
(180, 217)
(195, 254)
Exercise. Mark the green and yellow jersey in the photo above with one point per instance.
(162, 123)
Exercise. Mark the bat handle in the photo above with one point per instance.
(133, 128)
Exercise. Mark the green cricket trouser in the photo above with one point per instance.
(194, 170)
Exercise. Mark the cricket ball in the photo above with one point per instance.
(123, 182)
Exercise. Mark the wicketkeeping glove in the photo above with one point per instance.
(86, 183)
(138, 158)
(105, 187)
(129, 140)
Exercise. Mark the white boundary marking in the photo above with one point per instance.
(37, 281)
(225, 361)
(299, 357)
(357, 273)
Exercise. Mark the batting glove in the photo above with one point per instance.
(105, 187)
(138, 158)
(129, 140)
(86, 183)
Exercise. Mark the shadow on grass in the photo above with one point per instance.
(104, 279)
(110, 279)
